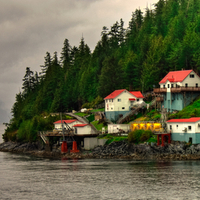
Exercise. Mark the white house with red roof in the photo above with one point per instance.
(82, 129)
(70, 122)
(178, 89)
(120, 102)
(185, 129)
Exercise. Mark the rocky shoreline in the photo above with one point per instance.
(117, 150)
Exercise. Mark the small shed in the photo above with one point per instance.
(71, 123)
(118, 128)
(82, 129)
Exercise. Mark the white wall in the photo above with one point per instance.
(114, 128)
(181, 126)
(85, 130)
(191, 81)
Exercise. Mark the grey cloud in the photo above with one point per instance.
(30, 28)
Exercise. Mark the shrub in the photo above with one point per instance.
(138, 136)
(146, 135)
(134, 137)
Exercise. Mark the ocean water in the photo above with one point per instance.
(26, 177)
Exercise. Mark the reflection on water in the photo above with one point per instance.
(24, 177)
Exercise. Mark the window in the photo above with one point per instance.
(110, 100)
(189, 128)
(75, 130)
(138, 100)
(123, 108)
(172, 85)
(186, 85)
(177, 126)
(163, 86)
(191, 75)
(168, 85)
(119, 100)
(196, 84)
(111, 108)
(170, 127)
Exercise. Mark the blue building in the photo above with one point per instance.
(178, 89)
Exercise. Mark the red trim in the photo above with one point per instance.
(80, 125)
(114, 94)
(193, 119)
(66, 121)
(132, 99)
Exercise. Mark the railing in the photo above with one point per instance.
(185, 89)
(44, 138)
(160, 90)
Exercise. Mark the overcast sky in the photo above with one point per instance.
(30, 28)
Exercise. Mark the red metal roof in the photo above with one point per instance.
(114, 94)
(176, 76)
(66, 121)
(80, 125)
(137, 94)
(193, 119)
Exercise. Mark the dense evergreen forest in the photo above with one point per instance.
(137, 58)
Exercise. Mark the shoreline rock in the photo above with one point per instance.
(115, 150)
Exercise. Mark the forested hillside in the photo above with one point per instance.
(137, 58)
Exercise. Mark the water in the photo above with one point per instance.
(26, 177)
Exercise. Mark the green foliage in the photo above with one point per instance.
(112, 138)
(93, 103)
(81, 114)
(138, 136)
(192, 110)
(160, 40)
(98, 110)
(98, 125)
(91, 118)
(146, 135)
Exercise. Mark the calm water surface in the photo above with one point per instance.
(25, 177)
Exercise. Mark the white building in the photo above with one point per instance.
(82, 129)
(185, 129)
(71, 123)
(116, 128)
(178, 89)
(120, 102)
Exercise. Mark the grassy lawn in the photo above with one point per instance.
(112, 138)
(98, 126)
(81, 114)
(98, 110)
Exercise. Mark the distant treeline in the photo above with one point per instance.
(137, 58)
